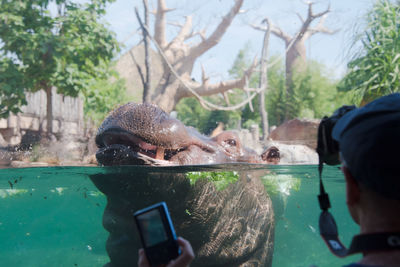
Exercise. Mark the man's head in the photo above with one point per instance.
(369, 143)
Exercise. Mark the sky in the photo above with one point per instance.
(346, 16)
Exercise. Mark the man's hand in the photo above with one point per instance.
(183, 260)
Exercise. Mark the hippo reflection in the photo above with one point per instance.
(229, 227)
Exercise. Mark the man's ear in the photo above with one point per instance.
(352, 188)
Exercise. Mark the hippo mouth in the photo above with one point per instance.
(117, 146)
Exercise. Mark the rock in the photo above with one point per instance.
(3, 124)
(3, 142)
(23, 164)
(297, 132)
(5, 158)
(90, 160)
(250, 139)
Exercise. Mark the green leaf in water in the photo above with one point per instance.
(221, 180)
(280, 184)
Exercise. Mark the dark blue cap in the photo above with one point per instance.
(369, 142)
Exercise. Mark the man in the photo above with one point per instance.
(369, 145)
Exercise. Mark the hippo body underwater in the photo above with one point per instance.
(229, 227)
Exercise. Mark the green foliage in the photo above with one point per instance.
(40, 50)
(191, 113)
(103, 95)
(241, 62)
(280, 184)
(221, 180)
(12, 93)
(315, 94)
(375, 70)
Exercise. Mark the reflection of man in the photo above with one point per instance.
(369, 144)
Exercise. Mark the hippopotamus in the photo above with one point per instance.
(144, 134)
(233, 226)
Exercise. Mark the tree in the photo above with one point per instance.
(179, 58)
(191, 113)
(315, 92)
(145, 77)
(295, 47)
(103, 95)
(263, 83)
(375, 69)
(41, 50)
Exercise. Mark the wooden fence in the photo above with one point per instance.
(67, 117)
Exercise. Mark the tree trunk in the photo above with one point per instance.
(264, 85)
(295, 62)
(146, 41)
(49, 110)
(168, 99)
(296, 54)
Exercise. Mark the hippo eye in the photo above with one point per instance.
(231, 142)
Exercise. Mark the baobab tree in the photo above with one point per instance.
(296, 44)
(179, 57)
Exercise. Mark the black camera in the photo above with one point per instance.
(327, 148)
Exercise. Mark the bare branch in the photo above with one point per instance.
(206, 89)
(323, 12)
(160, 23)
(202, 34)
(184, 32)
(259, 28)
(189, 88)
(176, 24)
(226, 98)
(204, 78)
(300, 17)
(145, 81)
(248, 95)
(304, 33)
(263, 81)
(139, 69)
(278, 32)
(216, 36)
(320, 28)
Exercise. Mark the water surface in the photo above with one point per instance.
(52, 216)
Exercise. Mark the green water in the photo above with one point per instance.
(53, 216)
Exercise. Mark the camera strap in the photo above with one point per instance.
(361, 243)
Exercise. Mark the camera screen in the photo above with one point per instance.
(152, 228)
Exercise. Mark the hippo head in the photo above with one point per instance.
(143, 134)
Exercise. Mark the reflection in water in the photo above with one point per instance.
(226, 215)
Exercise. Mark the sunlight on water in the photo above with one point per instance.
(53, 216)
